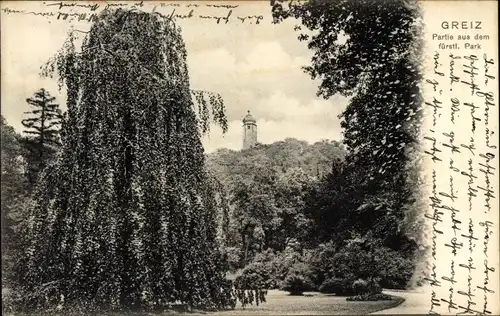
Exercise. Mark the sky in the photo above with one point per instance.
(254, 67)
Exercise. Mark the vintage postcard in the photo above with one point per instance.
(317, 157)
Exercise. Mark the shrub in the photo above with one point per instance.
(395, 271)
(284, 262)
(299, 268)
(360, 287)
(296, 284)
(374, 286)
(321, 263)
(274, 267)
(372, 297)
(266, 271)
(363, 259)
(336, 286)
(254, 276)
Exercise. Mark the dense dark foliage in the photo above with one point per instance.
(331, 270)
(336, 286)
(296, 284)
(270, 268)
(126, 217)
(13, 195)
(267, 187)
(314, 160)
(367, 50)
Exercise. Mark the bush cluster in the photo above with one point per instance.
(355, 264)
(296, 284)
(270, 269)
(371, 297)
(336, 286)
(348, 271)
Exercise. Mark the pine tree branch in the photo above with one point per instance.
(32, 132)
(53, 124)
(35, 102)
(30, 120)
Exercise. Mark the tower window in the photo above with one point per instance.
(248, 126)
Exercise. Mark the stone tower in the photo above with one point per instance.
(249, 131)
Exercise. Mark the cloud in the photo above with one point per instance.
(246, 80)
(212, 62)
(281, 106)
(262, 59)
(268, 57)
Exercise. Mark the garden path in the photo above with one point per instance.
(416, 302)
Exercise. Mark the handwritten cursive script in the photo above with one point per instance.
(461, 99)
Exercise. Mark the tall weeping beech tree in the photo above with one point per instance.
(126, 217)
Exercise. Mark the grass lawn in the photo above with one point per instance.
(280, 303)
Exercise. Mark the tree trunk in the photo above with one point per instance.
(42, 134)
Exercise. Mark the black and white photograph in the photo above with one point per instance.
(273, 157)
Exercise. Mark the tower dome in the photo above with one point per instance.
(249, 118)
